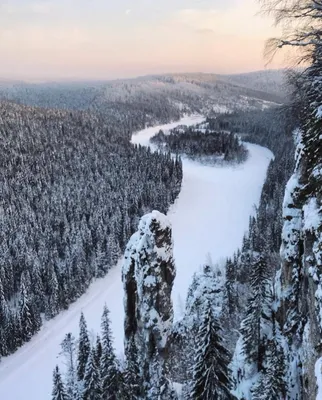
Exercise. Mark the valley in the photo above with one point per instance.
(210, 216)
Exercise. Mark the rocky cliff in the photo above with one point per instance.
(148, 275)
(301, 281)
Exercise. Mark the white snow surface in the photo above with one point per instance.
(318, 375)
(210, 215)
(311, 217)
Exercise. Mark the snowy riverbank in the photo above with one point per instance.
(210, 216)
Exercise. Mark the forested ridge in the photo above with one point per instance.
(145, 99)
(71, 195)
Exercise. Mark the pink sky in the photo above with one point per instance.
(99, 39)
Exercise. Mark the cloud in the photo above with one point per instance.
(128, 11)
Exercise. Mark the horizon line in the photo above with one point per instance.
(7, 80)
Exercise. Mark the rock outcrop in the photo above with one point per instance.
(148, 275)
(301, 275)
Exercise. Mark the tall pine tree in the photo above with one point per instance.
(68, 351)
(210, 371)
(84, 348)
(4, 327)
(59, 392)
(271, 384)
(92, 382)
(109, 368)
(132, 379)
(258, 313)
(27, 318)
(98, 351)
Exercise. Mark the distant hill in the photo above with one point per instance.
(186, 92)
(269, 81)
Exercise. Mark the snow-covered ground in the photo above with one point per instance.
(212, 212)
(210, 216)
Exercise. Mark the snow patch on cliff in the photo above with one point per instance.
(293, 220)
(318, 375)
(311, 215)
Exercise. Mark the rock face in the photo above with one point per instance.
(301, 275)
(148, 275)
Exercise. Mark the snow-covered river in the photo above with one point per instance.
(212, 211)
(210, 216)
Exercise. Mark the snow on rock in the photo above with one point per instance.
(293, 221)
(206, 285)
(319, 112)
(178, 389)
(318, 375)
(312, 217)
(148, 275)
(242, 372)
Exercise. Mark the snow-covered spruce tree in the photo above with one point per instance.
(84, 348)
(92, 381)
(98, 351)
(52, 306)
(167, 390)
(254, 326)
(206, 286)
(131, 374)
(148, 275)
(4, 327)
(12, 331)
(230, 287)
(58, 392)
(8, 331)
(211, 375)
(160, 388)
(155, 378)
(109, 369)
(28, 319)
(38, 290)
(271, 382)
